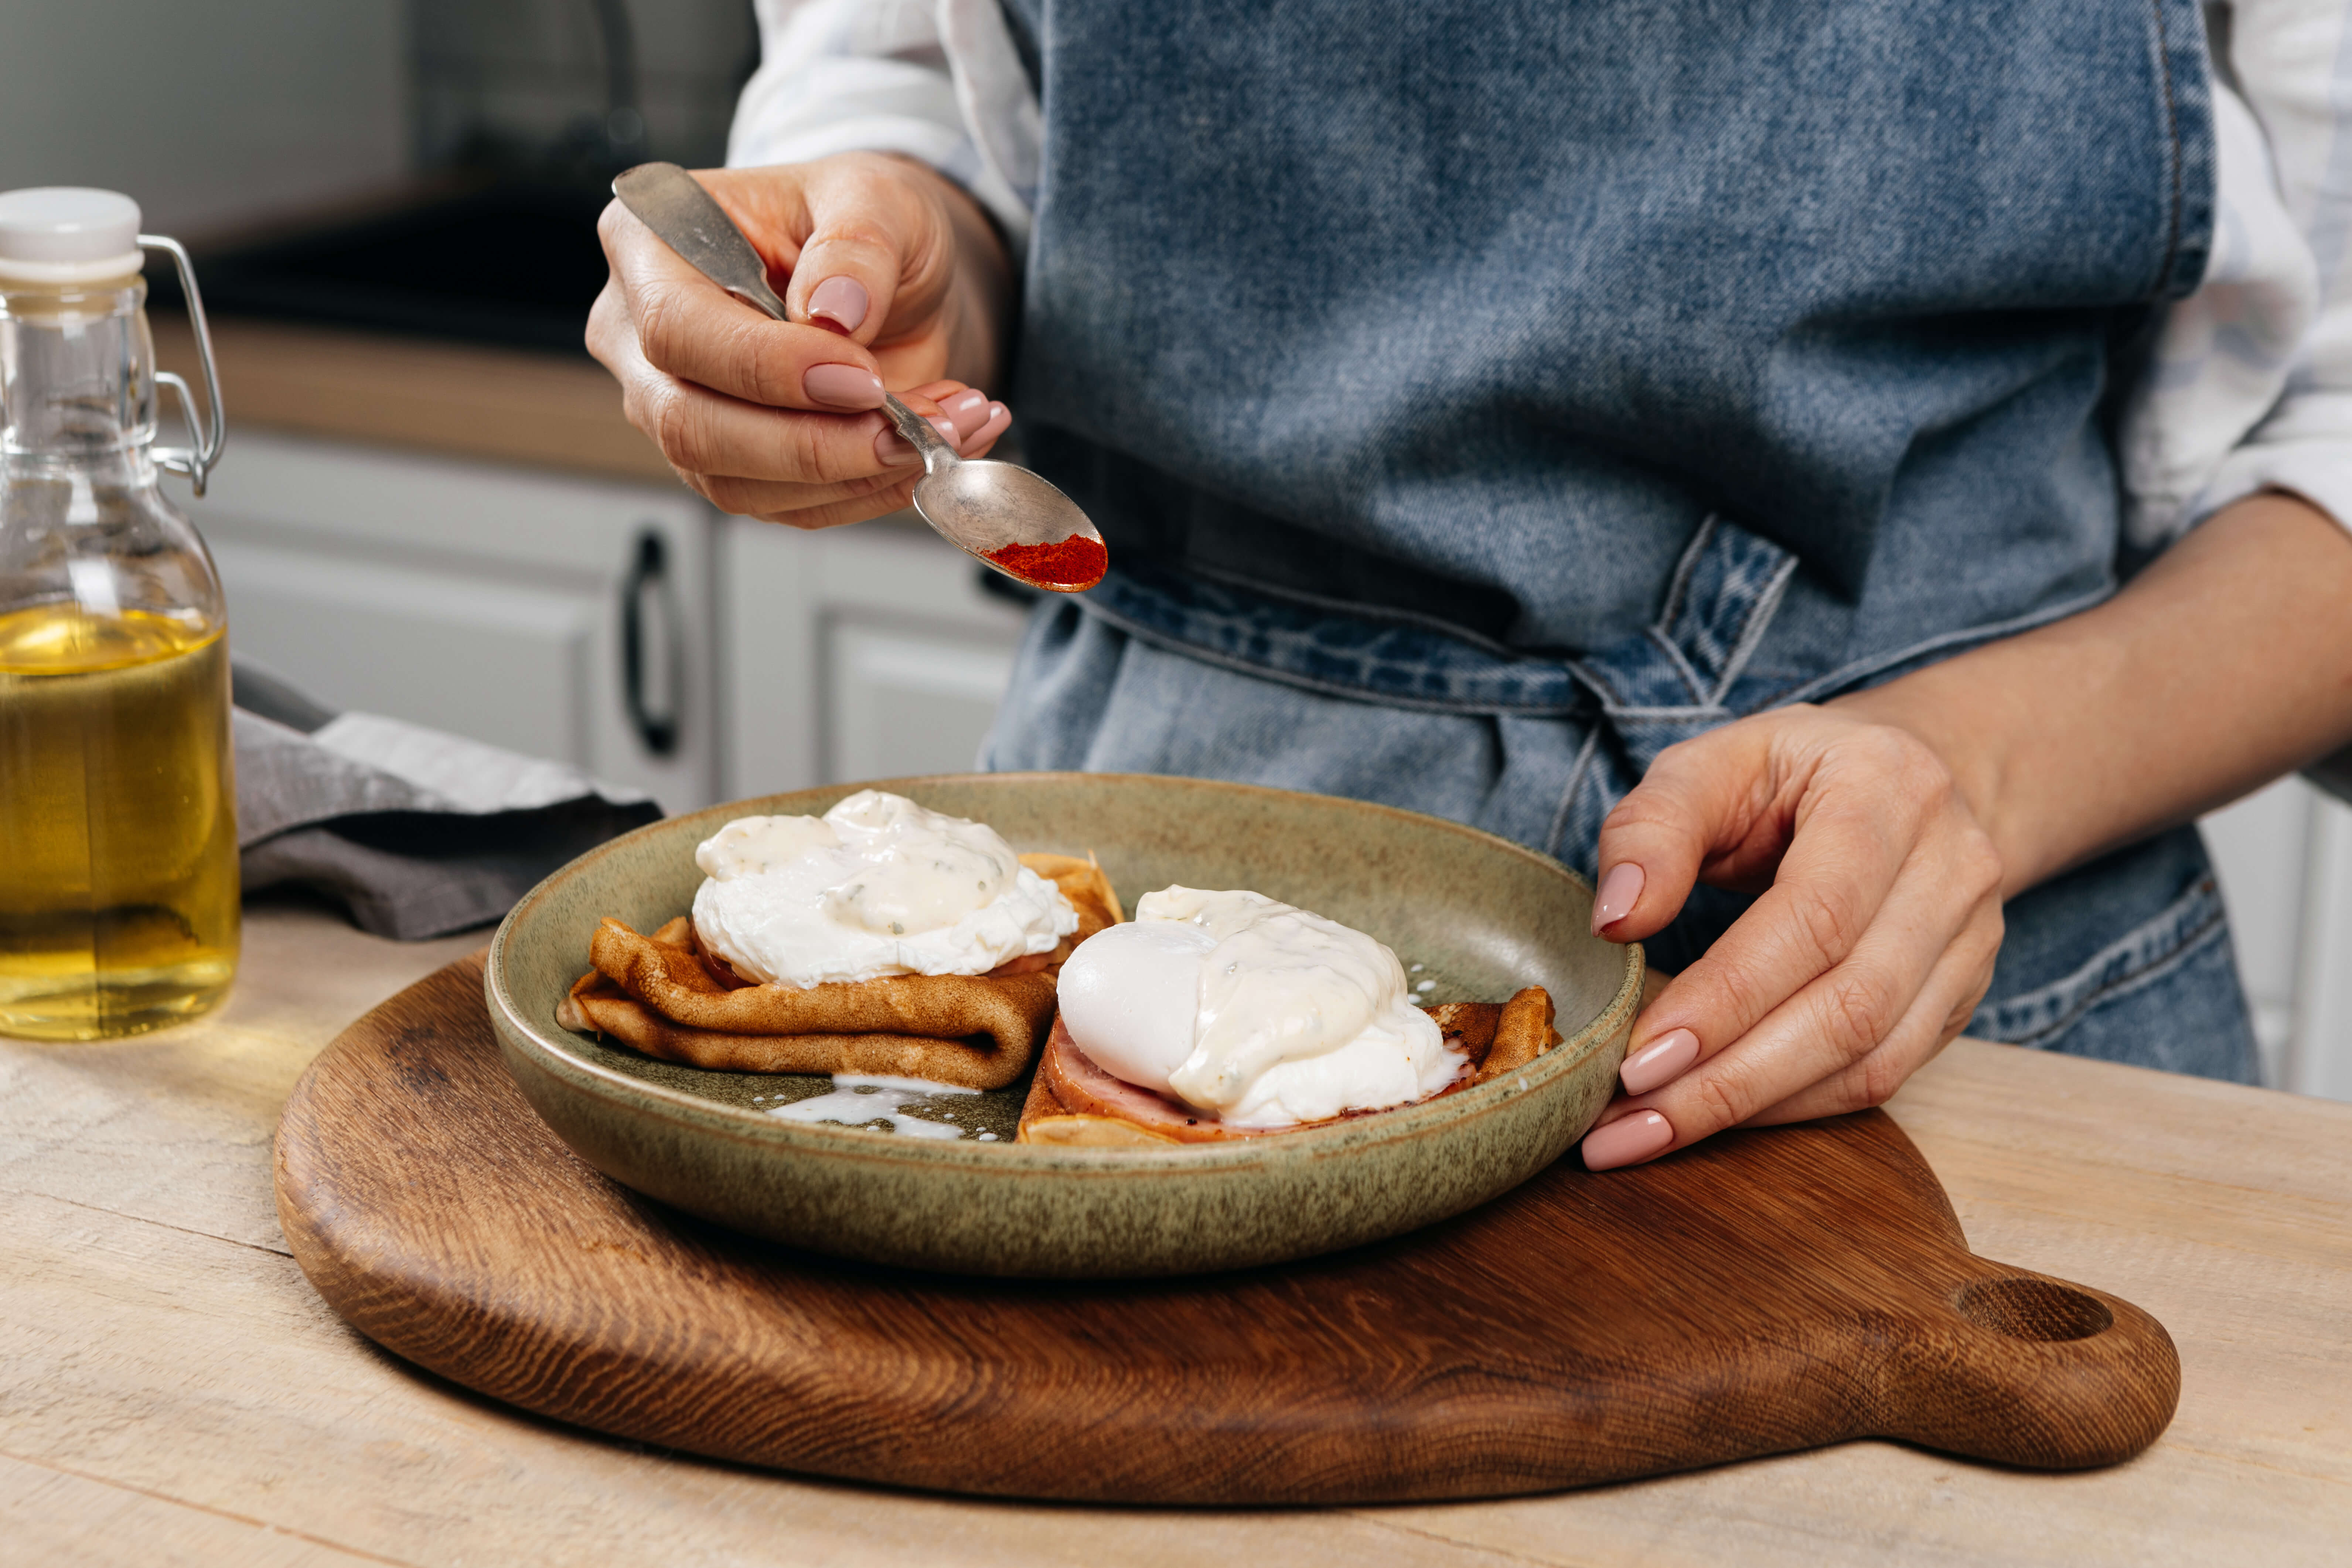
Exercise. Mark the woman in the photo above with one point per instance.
(1721, 444)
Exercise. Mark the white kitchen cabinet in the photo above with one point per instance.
(855, 653)
(498, 603)
(897, 701)
(2284, 856)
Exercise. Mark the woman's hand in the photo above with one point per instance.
(1870, 947)
(1887, 827)
(892, 277)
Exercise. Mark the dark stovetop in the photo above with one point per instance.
(516, 265)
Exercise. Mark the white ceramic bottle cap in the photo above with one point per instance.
(68, 233)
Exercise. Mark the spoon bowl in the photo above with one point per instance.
(1016, 521)
(1010, 520)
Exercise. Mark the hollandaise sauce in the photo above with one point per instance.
(117, 822)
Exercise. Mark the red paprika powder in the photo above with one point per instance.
(1076, 562)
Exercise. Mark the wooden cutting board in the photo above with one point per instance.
(1762, 1292)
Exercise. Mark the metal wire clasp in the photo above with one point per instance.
(196, 461)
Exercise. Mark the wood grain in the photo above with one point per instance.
(1765, 1292)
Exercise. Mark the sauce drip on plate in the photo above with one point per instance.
(860, 1102)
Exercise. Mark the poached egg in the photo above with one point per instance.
(1255, 1012)
(878, 886)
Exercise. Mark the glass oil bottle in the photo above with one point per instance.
(118, 802)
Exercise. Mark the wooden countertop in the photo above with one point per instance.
(506, 405)
(175, 1392)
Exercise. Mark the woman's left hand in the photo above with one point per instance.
(1868, 950)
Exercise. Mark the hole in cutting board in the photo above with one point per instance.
(2033, 1310)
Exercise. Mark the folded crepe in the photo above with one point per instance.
(668, 996)
(1073, 1103)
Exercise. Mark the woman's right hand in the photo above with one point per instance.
(891, 277)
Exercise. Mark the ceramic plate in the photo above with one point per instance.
(1480, 917)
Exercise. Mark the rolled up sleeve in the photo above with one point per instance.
(2291, 61)
(866, 76)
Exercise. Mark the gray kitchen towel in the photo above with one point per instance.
(416, 832)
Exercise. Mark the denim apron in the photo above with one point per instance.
(1479, 398)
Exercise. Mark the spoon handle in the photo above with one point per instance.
(938, 456)
(686, 218)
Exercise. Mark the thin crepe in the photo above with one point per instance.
(664, 995)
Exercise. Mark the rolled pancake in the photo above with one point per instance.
(1074, 1103)
(664, 995)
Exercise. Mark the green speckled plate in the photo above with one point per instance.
(1480, 915)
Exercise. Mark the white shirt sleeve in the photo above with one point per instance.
(2250, 387)
(2250, 384)
(938, 80)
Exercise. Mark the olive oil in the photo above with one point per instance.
(118, 821)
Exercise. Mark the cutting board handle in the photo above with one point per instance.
(2035, 1371)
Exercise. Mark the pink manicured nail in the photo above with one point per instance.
(1661, 1061)
(968, 409)
(1620, 891)
(840, 301)
(842, 386)
(1626, 1140)
(999, 418)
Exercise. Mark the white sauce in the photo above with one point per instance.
(876, 886)
(1258, 1013)
(858, 1101)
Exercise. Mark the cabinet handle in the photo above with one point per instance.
(649, 572)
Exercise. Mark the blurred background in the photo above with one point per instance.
(431, 507)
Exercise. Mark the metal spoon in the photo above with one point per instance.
(991, 509)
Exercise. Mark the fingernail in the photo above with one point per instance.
(1620, 891)
(842, 386)
(968, 409)
(1626, 1140)
(840, 301)
(1661, 1061)
(947, 430)
(999, 418)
